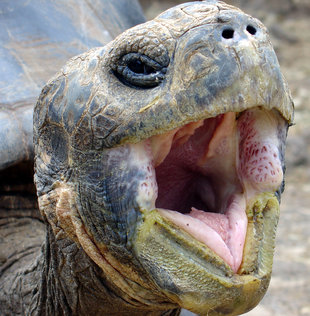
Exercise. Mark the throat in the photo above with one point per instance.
(73, 284)
(201, 173)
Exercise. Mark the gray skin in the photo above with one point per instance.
(89, 262)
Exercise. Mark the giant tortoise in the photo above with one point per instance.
(159, 159)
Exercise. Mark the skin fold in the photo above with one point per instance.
(103, 127)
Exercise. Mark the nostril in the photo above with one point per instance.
(251, 29)
(228, 33)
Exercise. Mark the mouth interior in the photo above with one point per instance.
(207, 171)
(199, 171)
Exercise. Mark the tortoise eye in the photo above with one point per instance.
(139, 70)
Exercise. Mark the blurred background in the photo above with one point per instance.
(288, 22)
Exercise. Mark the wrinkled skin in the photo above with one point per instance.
(102, 125)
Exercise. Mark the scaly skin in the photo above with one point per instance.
(85, 120)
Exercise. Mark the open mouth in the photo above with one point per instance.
(202, 176)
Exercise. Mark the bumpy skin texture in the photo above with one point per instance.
(90, 263)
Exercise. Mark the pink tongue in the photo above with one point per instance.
(224, 234)
(218, 222)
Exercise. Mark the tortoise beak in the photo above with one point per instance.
(213, 74)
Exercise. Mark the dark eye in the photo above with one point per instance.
(139, 70)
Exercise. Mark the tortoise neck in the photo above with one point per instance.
(72, 284)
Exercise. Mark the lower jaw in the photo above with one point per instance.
(195, 277)
(224, 233)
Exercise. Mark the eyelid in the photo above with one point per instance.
(143, 58)
(139, 80)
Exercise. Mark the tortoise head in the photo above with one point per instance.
(162, 155)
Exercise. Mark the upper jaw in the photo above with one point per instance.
(204, 78)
